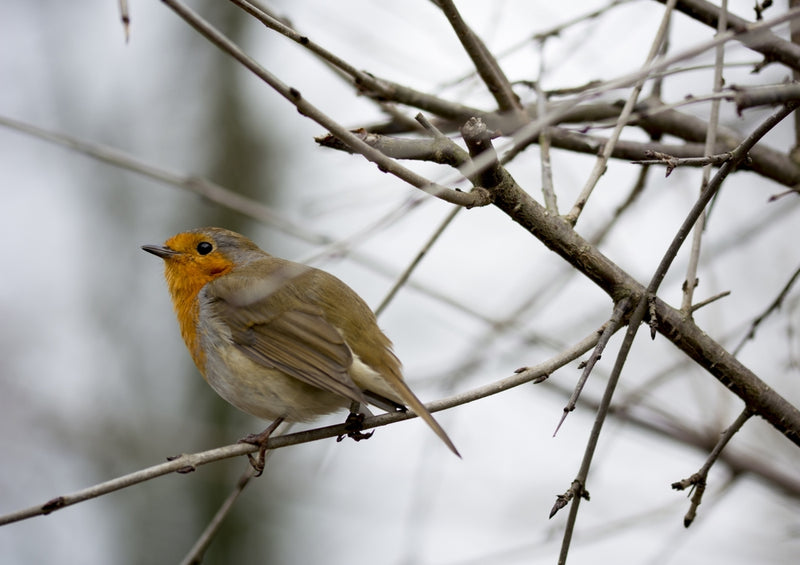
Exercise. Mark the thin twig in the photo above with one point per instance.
(202, 187)
(697, 305)
(417, 259)
(485, 63)
(637, 189)
(444, 140)
(548, 191)
(615, 323)
(673, 162)
(195, 554)
(384, 163)
(691, 281)
(653, 419)
(774, 306)
(698, 480)
(368, 84)
(601, 163)
(343, 245)
(125, 16)
(526, 134)
(186, 463)
(642, 308)
(773, 47)
(540, 36)
(737, 156)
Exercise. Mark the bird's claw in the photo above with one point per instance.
(260, 440)
(354, 424)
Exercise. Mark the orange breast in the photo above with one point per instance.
(185, 280)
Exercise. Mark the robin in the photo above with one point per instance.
(277, 339)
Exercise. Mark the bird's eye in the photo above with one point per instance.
(204, 248)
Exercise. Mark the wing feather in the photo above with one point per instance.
(278, 330)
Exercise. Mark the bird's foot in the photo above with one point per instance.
(354, 424)
(260, 440)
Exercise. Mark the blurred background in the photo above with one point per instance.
(95, 381)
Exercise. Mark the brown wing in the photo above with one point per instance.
(272, 326)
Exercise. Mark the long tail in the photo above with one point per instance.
(416, 406)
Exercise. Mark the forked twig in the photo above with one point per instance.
(601, 163)
(642, 308)
(691, 281)
(698, 481)
(609, 329)
(306, 108)
(195, 554)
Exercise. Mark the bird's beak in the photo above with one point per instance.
(160, 251)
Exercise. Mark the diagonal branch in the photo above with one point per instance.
(621, 309)
(386, 164)
(485, 63)
(601, 163)
(773, 47)
(698, 480)
(558, 235)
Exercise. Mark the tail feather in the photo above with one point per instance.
(416, 406)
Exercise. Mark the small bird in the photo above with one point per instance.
(278, 339)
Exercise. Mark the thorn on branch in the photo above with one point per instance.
(780, 195)
(576, 489)
(561, 501)
(653, 317)
(707, 301)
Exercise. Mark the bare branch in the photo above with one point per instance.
(615, 323)
(187, 463)
(673, 162)
(697, 305)
(198, 185)
(691, 281)
(768, 95)
(548, 191)
(485, 63)
(698, 480)
(559, 237)
(773, 47)
(307, 109)
(773, 306)
(601, 163)
(195, 554)
(416, 261)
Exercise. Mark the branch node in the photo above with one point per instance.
(53, 504)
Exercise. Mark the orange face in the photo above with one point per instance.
(191, 260)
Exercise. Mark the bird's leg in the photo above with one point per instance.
(261, 441)
(355, 422)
